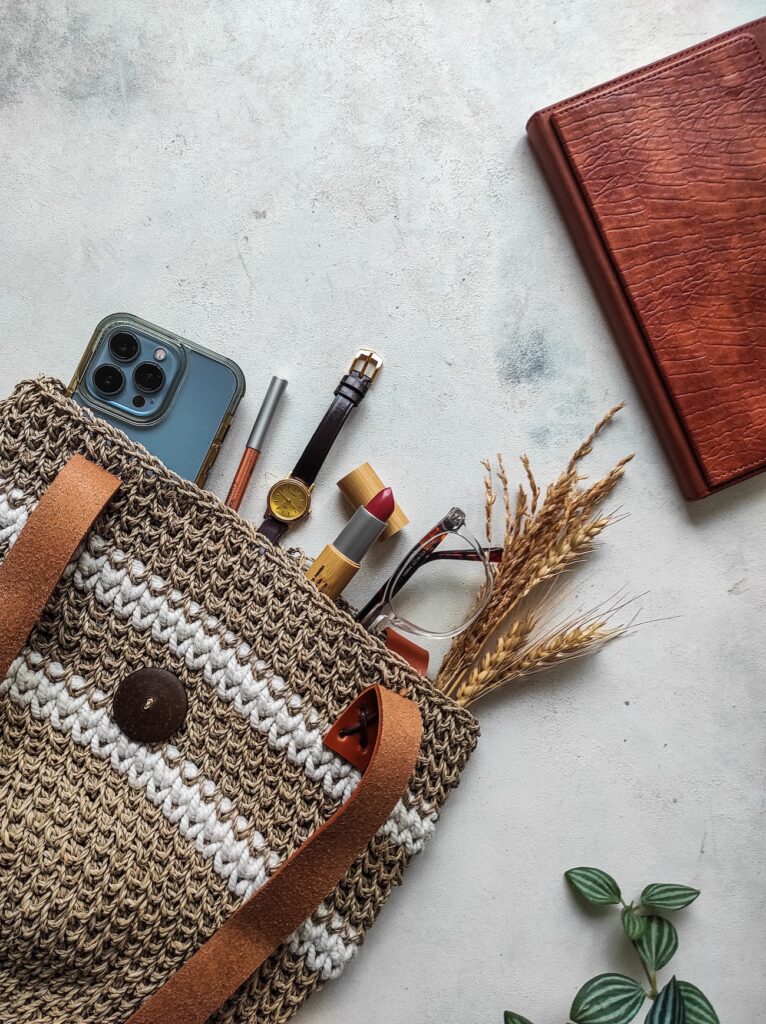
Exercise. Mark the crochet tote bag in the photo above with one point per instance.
(246, 846)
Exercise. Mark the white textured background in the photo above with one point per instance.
(285, 181)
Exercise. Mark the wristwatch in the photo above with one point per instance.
(289, 500)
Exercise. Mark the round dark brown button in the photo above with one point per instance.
(150, 705)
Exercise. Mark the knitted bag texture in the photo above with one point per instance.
(117, 860)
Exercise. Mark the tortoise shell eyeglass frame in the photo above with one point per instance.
(378, 611)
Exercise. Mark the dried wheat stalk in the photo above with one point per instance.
(543, 536)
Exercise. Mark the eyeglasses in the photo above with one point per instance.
(446, 596)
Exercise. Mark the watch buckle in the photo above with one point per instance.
(366, 363)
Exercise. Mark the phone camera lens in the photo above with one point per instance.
(123, 346)
(149, 378)
(108, 379)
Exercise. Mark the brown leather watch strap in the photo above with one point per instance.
(272, 528)
(300, 884)
(52, 534)
(348, 394)
(353, 386)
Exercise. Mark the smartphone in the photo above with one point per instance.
(175, 398)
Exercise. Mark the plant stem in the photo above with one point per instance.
(652, 977)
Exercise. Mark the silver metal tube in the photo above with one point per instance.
(358, 535)
(265, 415)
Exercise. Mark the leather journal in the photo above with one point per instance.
(661, 178)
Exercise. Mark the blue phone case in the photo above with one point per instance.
(175, 398)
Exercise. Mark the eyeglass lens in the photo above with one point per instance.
(441, 596)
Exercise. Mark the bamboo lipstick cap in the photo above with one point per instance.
(360, 486)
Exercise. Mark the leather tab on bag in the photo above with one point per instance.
(298, 886)
(415, 655)
(354, 733)
(45, 546)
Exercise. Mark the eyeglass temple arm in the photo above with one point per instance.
(493, 555)
(427, 545)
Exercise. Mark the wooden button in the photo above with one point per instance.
(150, 705)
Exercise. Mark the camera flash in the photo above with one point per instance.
(160, 354)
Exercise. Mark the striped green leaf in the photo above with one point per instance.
(668, 897)
(596, 886)
(633, 924)
(698, 1008)
(514, 1018)
(607, 999)
(658, 943)
(668, 1006)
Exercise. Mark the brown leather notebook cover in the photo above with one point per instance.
(661, 177)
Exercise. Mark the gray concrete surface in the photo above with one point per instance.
(286, 181)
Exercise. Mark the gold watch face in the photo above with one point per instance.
(289, 500)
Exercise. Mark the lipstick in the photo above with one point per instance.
(339, 562)
(255, 442)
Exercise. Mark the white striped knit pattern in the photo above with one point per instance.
(187, 800)
(327, 948)
(255, 691)
(252, 688)
(170, 781)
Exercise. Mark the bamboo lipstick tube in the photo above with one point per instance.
(339, 562)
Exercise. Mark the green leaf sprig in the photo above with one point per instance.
(616, 998)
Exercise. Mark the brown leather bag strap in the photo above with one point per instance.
(52, 534)
(295, 890)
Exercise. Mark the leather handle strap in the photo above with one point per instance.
(298, 886)
(45, 546)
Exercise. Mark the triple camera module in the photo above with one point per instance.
(109, 378)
